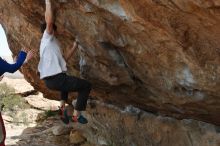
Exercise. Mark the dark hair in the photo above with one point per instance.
(44, 25)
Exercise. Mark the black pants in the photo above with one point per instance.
(65, 84)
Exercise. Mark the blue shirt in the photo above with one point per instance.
(11, 68)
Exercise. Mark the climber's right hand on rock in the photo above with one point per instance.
(75, 44)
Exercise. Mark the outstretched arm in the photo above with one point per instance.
(21, 59)
(71, 51)
(11, 68)
(49, 17)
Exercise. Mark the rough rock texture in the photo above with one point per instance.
(113, 126)
(162, 56)
(109, 125)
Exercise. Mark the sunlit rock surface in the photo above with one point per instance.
(162, 56)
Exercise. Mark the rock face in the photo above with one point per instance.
(162, 56)
(110, 125)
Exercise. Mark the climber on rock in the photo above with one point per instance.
(52, 69)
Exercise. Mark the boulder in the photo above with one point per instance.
(160, 56)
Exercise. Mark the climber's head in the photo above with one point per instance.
(44, 25)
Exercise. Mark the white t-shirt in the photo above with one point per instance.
(51, 59)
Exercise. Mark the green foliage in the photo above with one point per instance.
(43, 116)
(10, 100)
(50, 113)
(13, 103)
(24, 118)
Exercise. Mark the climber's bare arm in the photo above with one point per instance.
(71, 51)
(49, 17)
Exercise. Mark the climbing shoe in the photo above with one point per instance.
(65, 118)
(80, 119)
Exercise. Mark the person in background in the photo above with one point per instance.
(23, 57)
(52, 69)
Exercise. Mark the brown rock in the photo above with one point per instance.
(161, 56)
(87, 144)
(76, 137)
(111, 125)
(60, 130)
